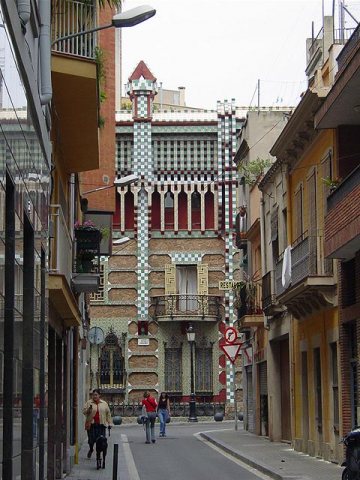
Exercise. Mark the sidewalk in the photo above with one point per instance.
(86, 468)
(277, 460)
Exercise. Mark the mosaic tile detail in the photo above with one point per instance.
(186, 257)
(143, 254)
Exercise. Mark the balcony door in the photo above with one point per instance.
(186, 282)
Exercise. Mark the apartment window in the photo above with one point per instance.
(274, 233)
(335, 385)
(348, 278)
(318, 389)
(111, 362)
(203, 370)
(173, 370)
(186, 282)
(299, 212)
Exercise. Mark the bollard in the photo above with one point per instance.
(115, 461)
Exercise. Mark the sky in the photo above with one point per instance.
(219, 49)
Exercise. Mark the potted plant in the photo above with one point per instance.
(332, 183)
(88, 239)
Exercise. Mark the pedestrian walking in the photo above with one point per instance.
(163, 410)
(150, 404)
(98, 417)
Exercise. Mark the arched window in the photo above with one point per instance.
(111, 362)
(155, 211)
(196, 210)
(209, 210)
(183, 210)
(195, 200)
(169, 210)
(169, 200)
(129, 211)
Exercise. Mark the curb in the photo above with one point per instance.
(248, 460)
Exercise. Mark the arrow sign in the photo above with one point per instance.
(231, 351)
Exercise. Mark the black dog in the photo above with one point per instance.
(101, 447)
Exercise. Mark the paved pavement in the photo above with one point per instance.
(277, 460)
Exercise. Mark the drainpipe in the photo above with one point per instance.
(45, 52)
(24, 9)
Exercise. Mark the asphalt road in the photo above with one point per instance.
(182, 454)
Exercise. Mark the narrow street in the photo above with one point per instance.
(182, 454)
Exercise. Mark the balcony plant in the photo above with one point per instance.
(88, 238)
(331, 183)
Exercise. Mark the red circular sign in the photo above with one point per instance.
(230, 335)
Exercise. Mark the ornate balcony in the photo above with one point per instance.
(312, 283)
(185, 308)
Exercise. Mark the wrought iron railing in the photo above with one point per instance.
(178, 409)
(187, 305)
(248, 299)
(268, 288)
(307, 259)
(70, 17)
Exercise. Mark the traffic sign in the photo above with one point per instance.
(230, 335)
(231, 351)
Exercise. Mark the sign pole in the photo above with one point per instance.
(235, 404)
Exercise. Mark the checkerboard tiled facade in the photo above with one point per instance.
(180, 152)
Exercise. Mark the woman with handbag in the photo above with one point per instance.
(163, 410)
(150, 405)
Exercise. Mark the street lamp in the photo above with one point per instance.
(130, 18)
(190, 332)
(118, 182)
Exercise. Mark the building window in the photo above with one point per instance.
(348, 278)
(318, 389)
(334, 384)
(187, 288)
(173, 370)
(143, 327)
(299, 212)
(169, 210)
(111, 362)
(203, 370)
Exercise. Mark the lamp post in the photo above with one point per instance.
(118, 182)
(190, 332)
(130, 18)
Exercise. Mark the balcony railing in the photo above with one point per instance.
(248, 299)
(187, 306)
(307, 259)
(268, 290)
(71, 17)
